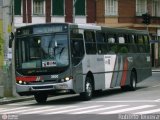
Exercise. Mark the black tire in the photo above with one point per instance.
(41, 97)
(124, 88)
(87, 95)
(133, 81)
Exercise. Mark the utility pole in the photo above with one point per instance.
(74, 10)
(7, 29)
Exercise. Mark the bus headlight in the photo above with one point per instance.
(20, 82)
(24, 83)
(67, 78)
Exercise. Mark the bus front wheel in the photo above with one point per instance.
(87, 95)
(40, 97)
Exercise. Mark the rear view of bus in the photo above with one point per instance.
(42, 60)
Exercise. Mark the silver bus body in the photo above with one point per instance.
(105, 70)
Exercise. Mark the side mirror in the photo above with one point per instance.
(11, 38)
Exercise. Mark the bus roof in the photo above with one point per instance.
(93, 27)
(109, 29)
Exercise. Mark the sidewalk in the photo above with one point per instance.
(15, 98)
(18, 98)
(156, 69)
(9, 100)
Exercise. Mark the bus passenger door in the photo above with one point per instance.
(77, 54)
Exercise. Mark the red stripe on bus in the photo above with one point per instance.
(112, 78)
(26, 79)
(124, 74)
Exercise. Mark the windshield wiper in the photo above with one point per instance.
(61, 52)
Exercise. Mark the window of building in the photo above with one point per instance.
(38, 7)
(141, 7)
(80, 7)
(155, 8)
(111, 7)
(58, 7)
(17, 7)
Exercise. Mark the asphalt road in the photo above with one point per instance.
(142, 104)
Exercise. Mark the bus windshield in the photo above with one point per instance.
(42, 51)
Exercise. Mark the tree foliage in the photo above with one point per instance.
(1, 45)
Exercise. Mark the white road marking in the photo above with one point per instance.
(128, 109)
(13, 109)
(2, 109)
(83, 108)
(49, 110)
(149, 111)
(158, 100)
(126, 101)
(154, 86)
(26, 110)
(93, 109)
(99, 109)
(22, 103)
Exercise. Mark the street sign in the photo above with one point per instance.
(154, 41)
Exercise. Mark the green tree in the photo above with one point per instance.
(1, 45)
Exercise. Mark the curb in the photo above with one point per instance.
(14, 100)
(155, 70)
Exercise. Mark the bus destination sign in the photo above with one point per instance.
(49, 29)
(42, 29)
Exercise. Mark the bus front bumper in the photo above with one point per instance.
(30, 89)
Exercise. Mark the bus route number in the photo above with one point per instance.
(54, 76)
(108, 61)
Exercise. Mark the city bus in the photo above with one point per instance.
(72, 58)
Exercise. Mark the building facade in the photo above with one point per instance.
(44, 11)
(114, 13)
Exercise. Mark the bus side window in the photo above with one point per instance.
(122, 46)
(111, 40)
(101, 44)
(121, 40)
(112, 46)
(146, 39)
(141, 44)
(77, 47)
(127, 39)
(146, 42)
(90, 42)
(135, 43)
(133, 40)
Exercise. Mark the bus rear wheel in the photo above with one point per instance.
(133, 81)
(40, 97)
(87, 95)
